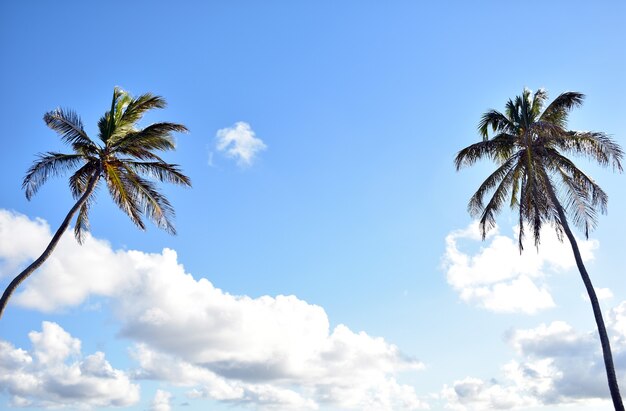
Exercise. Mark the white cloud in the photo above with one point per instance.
(556, 365)
(272, 352)
(476, 394)
(558, 339)
(616, 321)
(54, 374)
(497, 277)
(161, 401)
(22, 240)
(247, 350)
(239, 142)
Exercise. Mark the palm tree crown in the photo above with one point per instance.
(124, 159)
(529, 144)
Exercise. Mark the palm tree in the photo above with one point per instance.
(124, 159)
(530, 144)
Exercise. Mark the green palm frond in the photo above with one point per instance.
(137, 107)
(138, 153)
(106, 124)
(48, 165)
(122, 102)
(150, 202)
(164, 172)
(120, 189)
(157, 136)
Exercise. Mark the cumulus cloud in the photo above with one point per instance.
(54, 374)
(476, 394)
(497, 277)
(616, 320)
(556, 365)
(240, 143)
(22, 240)
(254, 350)
(272, 352)
(161, 401)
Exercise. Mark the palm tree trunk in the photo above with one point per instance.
(597, 313)
(53, 243)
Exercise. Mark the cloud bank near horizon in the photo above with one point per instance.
(555, 365)
(269, 352)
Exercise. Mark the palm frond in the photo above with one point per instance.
(103, 126)
(593, 145)
(475, 205)
(80, 179)
(106, 124)
(537, 207)
(149, 201)
(505, 175)
(82, 220)
(121, 191)
(558, 110)
(589, 187)
(138, 153)
(157, 136)
(48, 165)
(139, 106)
(495, 120)
(82, 224)
(499, 147)
(534, 205)
(129, 111)
(579, 204)
(545, 132)
(539, 99)
(524, 104)
(512, 113)
(164, 172)
(69, 126)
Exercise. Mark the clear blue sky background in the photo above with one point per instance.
(362, 106)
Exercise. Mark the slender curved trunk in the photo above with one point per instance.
(53, 243)
(597, 312)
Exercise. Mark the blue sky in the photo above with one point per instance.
(334, 267)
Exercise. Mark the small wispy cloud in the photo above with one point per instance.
(240, 143)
